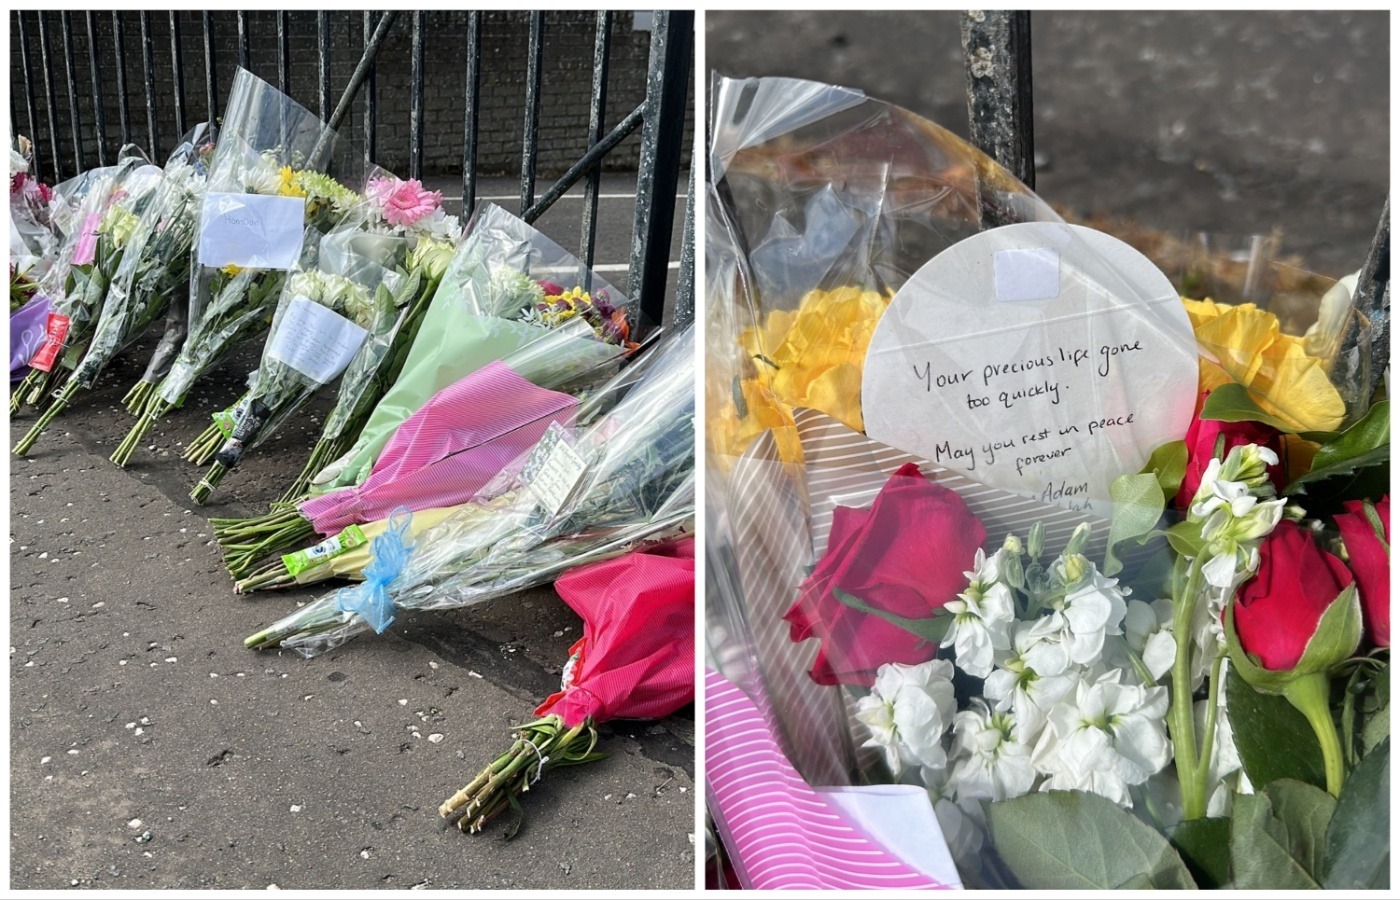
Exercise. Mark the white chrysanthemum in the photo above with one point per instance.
(439, 226)
(982, 615)
(908, 711)
(1106, 737)
(988, 762)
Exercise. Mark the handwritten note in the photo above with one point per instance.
(316, 341)
(251, 231)
(1051, 396)
(553, 469)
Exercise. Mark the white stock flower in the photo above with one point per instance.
(962, 823)
(1147, 628)
(982, 614)
(1107, 737)
(1092, 607)
(988, 762)
(908, 711)
(1031, 680)
(440, 226)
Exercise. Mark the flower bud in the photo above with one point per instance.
(1072, 568)
(1035, 541)
(1012, 545)
(1249, 463)
(430, 258)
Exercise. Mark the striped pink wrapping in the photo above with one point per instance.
(449, 449)
(781, 834)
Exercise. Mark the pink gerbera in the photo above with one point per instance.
(404, 202)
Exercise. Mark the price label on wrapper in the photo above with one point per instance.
(1039, 358)
(316, 341)
(553, 469)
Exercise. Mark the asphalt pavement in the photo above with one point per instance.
(1237, 123)
(149, 750)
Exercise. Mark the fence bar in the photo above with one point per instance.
(1372, 303)
(370, 112)
(75, 124)
(323, 61)
(119, 50)
(211, 98)
(415, 111)
(471, 114)
(148, 60)
(597, 112)
(685, 286)
(51, 100)
(284, 55)
(242, 40)
(177, 60)
(534, 70)
(588, 162)
(99, 115)
(352, 87)
(997, 55)
(658, 169)
(29, 107)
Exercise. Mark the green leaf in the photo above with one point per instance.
(1278, 838)
(1077, 841)
(1138, 503)
(1168, 464)
(1185, 538)
(1358, 839)
(1204, 844)
(1231, 403)
(1363, 445)
(931, 630)
(1273, 739)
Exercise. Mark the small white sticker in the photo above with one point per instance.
(316, 341)
(1031, 274)
(554, 469)
(251, 231)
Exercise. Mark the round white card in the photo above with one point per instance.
(1040, 358)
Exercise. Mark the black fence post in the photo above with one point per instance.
(997, 55)
(659, 165)
(1371, 303)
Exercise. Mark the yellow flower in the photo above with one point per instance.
(231, 270)
(288, 185)
(1247, 347)
(811, 356)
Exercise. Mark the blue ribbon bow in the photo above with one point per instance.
(371, 601)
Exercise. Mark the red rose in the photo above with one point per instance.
(1279, 608)
(904, 555)
(1370, 561)
(1200, 448)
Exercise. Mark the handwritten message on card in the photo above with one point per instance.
(1053, 395)
(251, 231)
(316, 341)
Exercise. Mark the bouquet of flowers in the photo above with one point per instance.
(153, 267)
(494, 299)
(32, 243)
(628, 478)
(99, 221)
(368, 235)
(635, 661)
(451, 451)
(275, 181)
(1044, 652)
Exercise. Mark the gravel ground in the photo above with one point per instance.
(148, 749)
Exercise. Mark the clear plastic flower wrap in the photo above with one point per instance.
(94, 212)
(506, 283)
(152, 267)
(626, 478)
(335, 305)
(278, 174)
(982, 490)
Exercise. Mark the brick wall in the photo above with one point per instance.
(565, 92)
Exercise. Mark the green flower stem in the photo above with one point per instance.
(1212, 714)
(60, 403)
(1182, 720)
(1311, 695)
